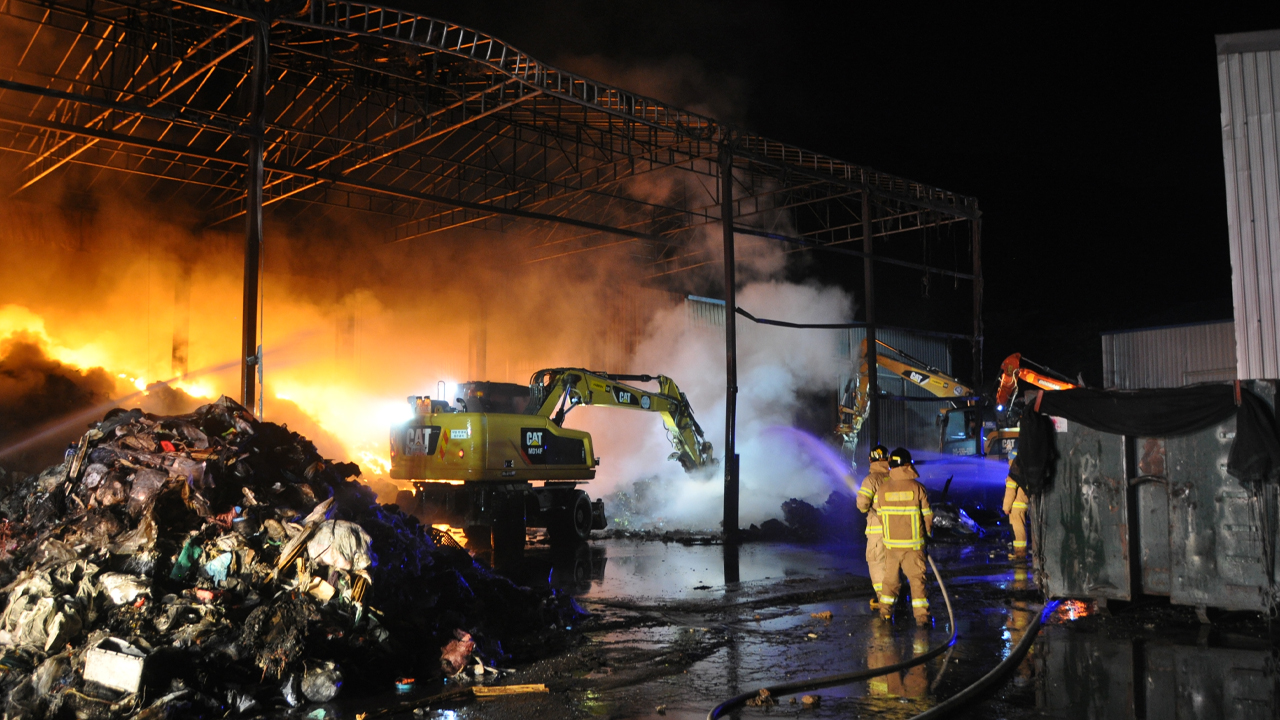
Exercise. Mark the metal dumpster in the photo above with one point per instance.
(1126, 516)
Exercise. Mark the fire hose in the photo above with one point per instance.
(937, 711)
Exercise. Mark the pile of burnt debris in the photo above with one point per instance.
(209, 565)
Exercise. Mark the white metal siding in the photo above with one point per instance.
(1169, 357)
(1249, 88)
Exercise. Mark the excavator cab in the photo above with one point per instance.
(960, 433)
(493, 397)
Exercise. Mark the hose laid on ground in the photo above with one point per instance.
(792, 688)
(997, 672)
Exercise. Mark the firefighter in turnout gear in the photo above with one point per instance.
(1015, 506)
(879, 472)
(906, 519)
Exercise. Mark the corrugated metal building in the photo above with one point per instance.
(1249, 89)
(905, 423)
(1166, 357)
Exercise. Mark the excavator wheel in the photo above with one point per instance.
(574, 522)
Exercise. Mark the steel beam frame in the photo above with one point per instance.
(430, 126)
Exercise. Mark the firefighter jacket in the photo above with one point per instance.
(867, 493)
(904, 510)
(1015, 498)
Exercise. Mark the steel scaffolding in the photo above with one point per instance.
(250, 106)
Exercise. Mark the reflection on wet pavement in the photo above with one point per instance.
(670, 633)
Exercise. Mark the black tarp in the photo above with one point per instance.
(1255, 452)
(1033, 468)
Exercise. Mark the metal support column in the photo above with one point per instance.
(730, 346)
(249, 355)
(977, 324)
(872, 422)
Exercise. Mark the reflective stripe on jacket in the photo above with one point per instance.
(867, 493)
(904, 510)
(1014, 497)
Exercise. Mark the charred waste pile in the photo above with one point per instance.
(209, 564)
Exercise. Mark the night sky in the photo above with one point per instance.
(1090, 138)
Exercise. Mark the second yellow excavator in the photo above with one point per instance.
(472, 462)
(856, 398)
(960, 428)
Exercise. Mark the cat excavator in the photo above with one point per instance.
(959, 425)
(856, 398)
(473, 463)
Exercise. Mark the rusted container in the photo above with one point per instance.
(1125, 516)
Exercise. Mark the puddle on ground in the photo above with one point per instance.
(1076, 669)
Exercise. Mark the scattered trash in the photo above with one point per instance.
(824, 615)
(763, 699)
(234, 562)
(321, 682)
(116, 664)
(404, 685)
(813, 636)
(454, 655)
(122, 588)
(811, 700)
(661, 709)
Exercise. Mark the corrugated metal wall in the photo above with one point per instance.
(1169, 357)
(903, 423)
(1249, 88)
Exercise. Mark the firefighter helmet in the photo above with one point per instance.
(900, 457)
(879, 453)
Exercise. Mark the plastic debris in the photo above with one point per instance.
(341, 545)
(321, 682)
(455, 654)
(116, 664)
(235, 562)
(122, 588)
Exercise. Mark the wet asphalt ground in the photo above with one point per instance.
(669, 638)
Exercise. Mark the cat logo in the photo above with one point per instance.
(917, 378)
(534, 447)
(416, 443)
(626, 397)
(421, 440)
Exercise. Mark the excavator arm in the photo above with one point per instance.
(1011, 371)
(555, 391)
(853, 407)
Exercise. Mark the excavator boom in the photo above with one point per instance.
(555, 391)
(1011, 371)
(852, 414)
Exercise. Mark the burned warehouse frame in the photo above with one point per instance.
(251, 107)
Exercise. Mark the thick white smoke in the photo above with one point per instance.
(774, 366)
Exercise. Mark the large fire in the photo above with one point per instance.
(356, 419)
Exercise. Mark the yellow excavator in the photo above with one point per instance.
(473, 462)
(958, 424)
